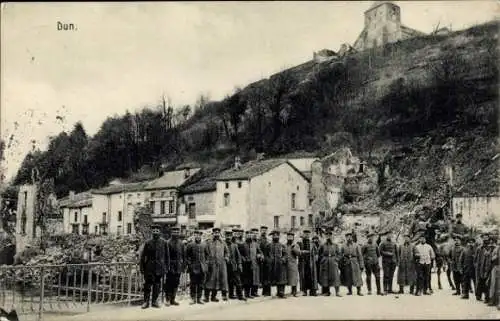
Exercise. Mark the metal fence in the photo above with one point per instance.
(72, 288)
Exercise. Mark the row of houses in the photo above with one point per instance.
(279, 193)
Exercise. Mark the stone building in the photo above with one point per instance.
(382, 26)
(26, 230)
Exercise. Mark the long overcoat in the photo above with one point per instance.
(455, 253)
(329, 256)
(235, 262)
(308, 258)
(154, 258)
(484, 264)
(292, 263)
(176, 254)
(217, 254)
(277, 265)
(250, 251)
(264, 263)
(352, 263)
(407, 273)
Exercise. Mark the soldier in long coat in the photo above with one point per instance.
(277, 264)
(260, 262)
(329, 256)
(317, 243)
(293, 254)
(371, 255)
(264, 268)
(307, 265)
(483, 264)
(495, 275)
(249, 251)
(234, 269)
(197, 267)
(353, 265)
(153, 258)
(175, 266)
(455, 253)
(388, 251)
(407, 270)
(217, 254)
(466, 267)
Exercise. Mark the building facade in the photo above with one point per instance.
(382, 26)
(198, 204)
(269, 192)
(78, 217)
(478, 210)
(26, 230)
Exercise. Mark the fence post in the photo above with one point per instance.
(129, 290)
(89, 289)
(42, 290)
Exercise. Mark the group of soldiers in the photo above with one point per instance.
(244, 262)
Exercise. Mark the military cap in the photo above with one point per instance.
(254, 229)
(471, 239)
(197, 232)
(348, 233)
(228, 233)
(175, 229)
(315, 237)
(306, 231)
(459, 215)
(263, 227)
(235, 230)
(275, 232)
(156, 226)
(248, 232)
(290, 233)
(329, 232)
(215, 229)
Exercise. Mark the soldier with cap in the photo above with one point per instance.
(234, 268)
(217, 257)
(371, 255)
(264, 268)
(466, 267)
(317, 243)
(307, 265)
(481, 265)
(455, 253)
(197, 267)
(252, 268)
(175, 266)
(277, 268)
(388, 252)
(153, 260)
(352, 266)
(407, 273)
(485, 267)
(329, 256)
(495, 273)
(459, 229)
(293, 253)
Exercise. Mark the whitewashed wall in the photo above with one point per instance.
(477, 210)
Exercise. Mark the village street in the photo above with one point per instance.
(440, 305)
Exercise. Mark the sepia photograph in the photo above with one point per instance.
(249, 160)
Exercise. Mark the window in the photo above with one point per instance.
(76, 216)
(23, 224)
(119, 216)
(310, 220)
(85, 220)
(153, 194)
(227, 185)
(25, 198)
(162, 194)
(104, 217)
(129, 196)
(104, 230)
(302, 221)
(192, 210)
(172, 193)
(276, 222)
(162, 207)
(96, 229)
(152, 205)
(118, 230)
(75, 229)
(310, 201)
(85, 229)
(297, 187)
(239, 184)
(129, 228)
(227, 199)
(171, 209)
(361, 167)
(294, 222)
(293, 200)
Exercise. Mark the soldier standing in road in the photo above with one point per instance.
(317, 244)
(459, 229)
(495, 274)
(217, 254)
(484, 270)
(371, 256)
(466, 267)
(277, 264)
(424, 255)
(293, 254)
(329, 275)
(264, 277)
(388, 252)
(455, 254)
(175, 266)
(352, 265)
(407, 273)
(307, 265)
(260, 262)
(197, 267)
(153, 260)
(234, 268)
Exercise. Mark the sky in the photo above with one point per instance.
(124, 56)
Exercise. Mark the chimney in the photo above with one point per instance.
(237, 163)
(71, 195)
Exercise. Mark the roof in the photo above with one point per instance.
(207, 184)
(78, 200)
(254, 168)
(379, 3)
(411, 31)
(173, 179)
(121, 188)
(308, 174)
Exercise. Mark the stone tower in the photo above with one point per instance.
(382, 26)
(25, 218)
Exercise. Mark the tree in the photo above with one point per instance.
(231, 110)
(143, 221)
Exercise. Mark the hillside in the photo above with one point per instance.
(402, 106)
